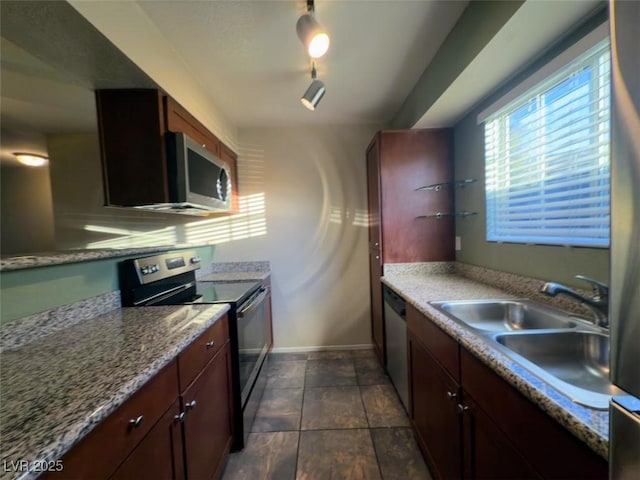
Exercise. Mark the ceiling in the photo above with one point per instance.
(247, 58)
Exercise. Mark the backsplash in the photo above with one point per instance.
(520, 286)
(27, 329)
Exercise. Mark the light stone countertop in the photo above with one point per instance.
(54, 390)
(419, 287)
(237, 272)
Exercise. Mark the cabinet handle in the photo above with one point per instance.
(210, 344)
(451, 395)
(180, 417)
(377, 257)
(191, 405)
(377, 244)
(462, 408)
(136, 422)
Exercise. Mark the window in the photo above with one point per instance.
(547, 158)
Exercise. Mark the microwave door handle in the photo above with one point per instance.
(253, 305)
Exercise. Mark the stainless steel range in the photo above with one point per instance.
(169, 279)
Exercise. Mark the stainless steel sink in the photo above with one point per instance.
(575, 362)
(506, 315)
(567, 352)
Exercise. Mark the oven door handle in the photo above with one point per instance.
(153, 299)
(254, 304)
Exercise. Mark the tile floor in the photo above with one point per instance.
(328, 415)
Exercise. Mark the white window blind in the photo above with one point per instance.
(547, 159)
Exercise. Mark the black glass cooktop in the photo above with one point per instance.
(225, 292)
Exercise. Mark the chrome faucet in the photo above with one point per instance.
(598, 303)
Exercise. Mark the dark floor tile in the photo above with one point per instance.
(329, 355)
(287, 357)
(383, 406)
(330, 373)
(286, 374)
(337, 454)
(280, 410)
(363, 353)
(332, 407)
(398, 454)
(267, 456)
(369, 372)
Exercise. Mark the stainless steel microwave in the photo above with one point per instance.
(199, 182)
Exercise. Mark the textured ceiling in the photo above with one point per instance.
(248, 60)
(248, 57)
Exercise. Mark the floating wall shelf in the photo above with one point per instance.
(456, 184)
(440, 215)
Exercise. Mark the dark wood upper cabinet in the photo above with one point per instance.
(132, 124)
(407, 160)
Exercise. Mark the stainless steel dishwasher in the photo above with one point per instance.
(395, 322)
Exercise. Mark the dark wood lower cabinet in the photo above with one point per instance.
(434, 412)
(487, 453)
(377, 306)
(470, 423)
(207, 423)
(159, 455)
(165, 432)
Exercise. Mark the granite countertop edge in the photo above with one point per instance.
(60, 443)
(588, 425)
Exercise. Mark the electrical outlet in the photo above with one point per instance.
(458, 243)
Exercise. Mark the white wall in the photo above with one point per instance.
(313, 181)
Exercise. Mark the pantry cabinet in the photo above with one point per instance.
(399, 163)
(472, 424)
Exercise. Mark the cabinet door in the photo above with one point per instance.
(373, 192)
(377, 320)
(434, 412)
(159, 455)
(410, 159)
(207, 423)
(131, 128)
(488, 454)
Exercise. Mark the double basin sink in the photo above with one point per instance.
(565, 351)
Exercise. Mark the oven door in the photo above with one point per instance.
(252, 340)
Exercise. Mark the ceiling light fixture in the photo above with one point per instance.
(314, 38)
(31, 159)
(314, 93)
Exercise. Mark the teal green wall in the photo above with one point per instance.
(538, 261)
(33, 290)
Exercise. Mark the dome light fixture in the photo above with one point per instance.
(314, 93)
(31, 159)
(314, 38)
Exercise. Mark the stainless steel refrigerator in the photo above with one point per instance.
(624, 445)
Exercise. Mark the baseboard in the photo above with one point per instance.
(363, 346)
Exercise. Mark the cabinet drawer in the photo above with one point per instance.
(444, 348)
(102, 450)
(193, 359)
(530, 430)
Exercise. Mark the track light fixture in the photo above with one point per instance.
(314, 38)
(315, 92)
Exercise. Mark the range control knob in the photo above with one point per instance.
(145, 270)
(195, 259)
(154, 268)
